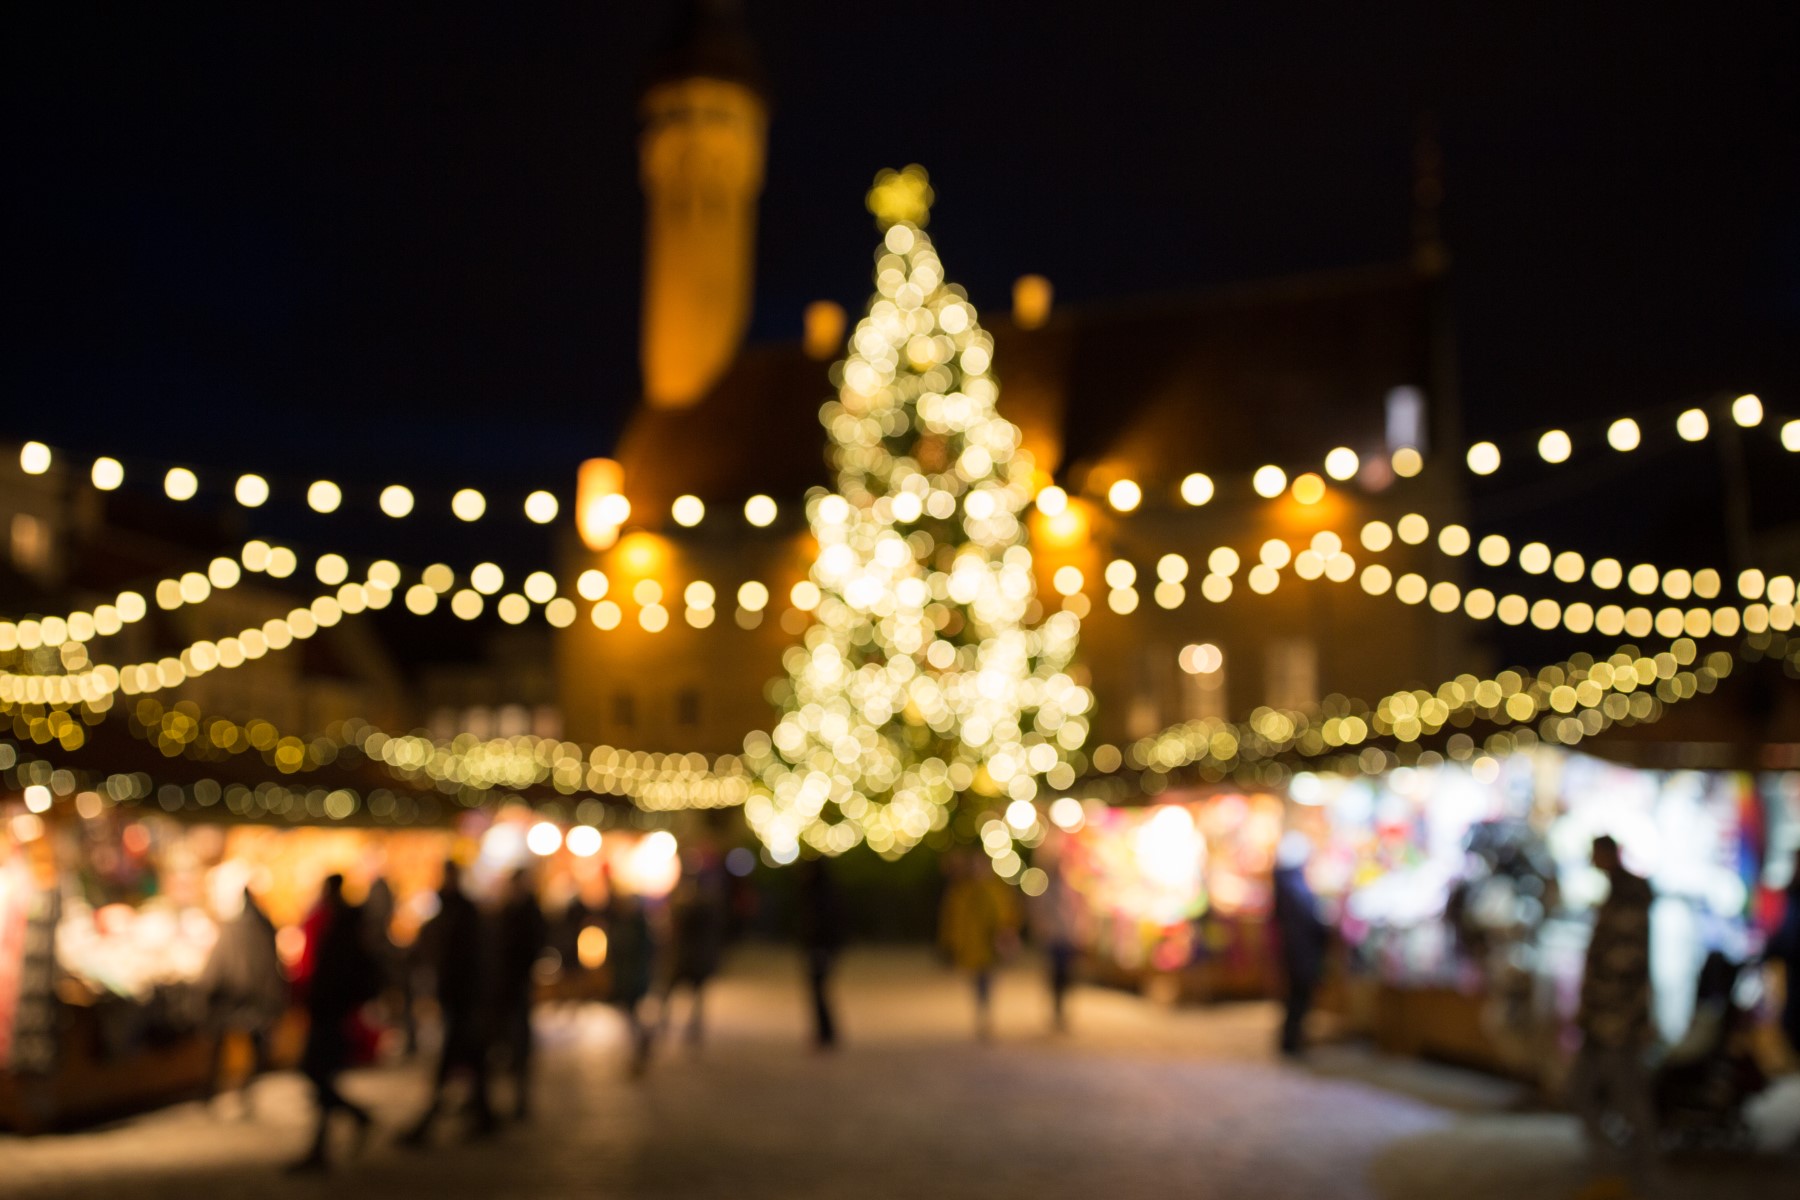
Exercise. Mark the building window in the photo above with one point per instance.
(687, 706)
(30, 543)
(1293, 673)
(1406, 419)
(624, 709)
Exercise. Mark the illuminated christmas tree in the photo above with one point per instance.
(929, 677)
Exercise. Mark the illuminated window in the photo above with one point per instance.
(1293, 673)
(30, 543)
(1406, 418)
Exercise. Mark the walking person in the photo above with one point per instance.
(699, 917)
(1302, 938)
(978, 924)
(339, 980)
(524, 933)
(1609, 1078)
(822, 935)
(630, 953)
(246, 993)
(1055, 917)
(455, 948)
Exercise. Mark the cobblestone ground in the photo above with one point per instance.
(1138, 1101)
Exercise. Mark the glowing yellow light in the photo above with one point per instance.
(805, 595)
(34, 458)
(600, 506)
(1376, 579)
(1407, 462)
(1747, 410)
(487, 578)
(1751, 583)
(760, 510)
(438, 577)
(1125, 495)
(1790, 436)
(1032, 297)
(584, 841)
(1309, 488)
(466, 604)
(1052, 501)
(323, 496)
(1377, 536)
(540, 587)
(180, 484)
(396, 500)
(1120, 574)
(591, 585)
(606, 615)
(331, 569)
(1342, 463)
(900, 198)
(1197, 489)
(541, 508)
(753, 596)
(688, 511)
(1275, 553)
(1067, 580)
(543, 839)
(1412, 529)
(108, 473)
(647, 591)
(251, 491)
(1692, 425)
(1269, 481)
(1222, 561)
(513, 608)
(1607, 573)
(1494, 550)
(560, 612)
(1484, 458)
(420, 599)
(1171, 568)
(1453, 540)
(1202, 658)
(1555, 447)
(654, 618)
(1624, 435)
(468, 504)
(1534, 558)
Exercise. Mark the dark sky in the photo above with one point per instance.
(404, 240)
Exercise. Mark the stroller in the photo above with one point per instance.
(1708, 1077)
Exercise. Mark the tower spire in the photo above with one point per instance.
(700, 159)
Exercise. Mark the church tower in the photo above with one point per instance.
(700, 159)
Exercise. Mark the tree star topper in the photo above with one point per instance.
(902, 197)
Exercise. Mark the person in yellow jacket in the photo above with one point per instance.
(978, 925)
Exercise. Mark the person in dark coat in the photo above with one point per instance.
(630, 953)
(821, 941)
(1302, 938)
(523, 936)
(457, 951)
(341, 979)
(699, 919)
(246, 992)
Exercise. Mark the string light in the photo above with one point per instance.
(688, 511)
(180, 484)
(1624, 435)
(1747, 411)
(1197, 489)
(107, 474)
(541, 508)
(396, 500)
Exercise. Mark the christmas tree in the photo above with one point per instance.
(929, 677)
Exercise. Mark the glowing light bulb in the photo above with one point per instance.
(251, 491)
(1197, 489)
(1624, 435)
(1125, 495)
(34, 458)
(324, 496)
(1269, 481)
(760, 510)
(688, 511)
(541, 508)
(468, 504)
(108, 474)
(1484, 458)
(1342, 463)
(396, 500)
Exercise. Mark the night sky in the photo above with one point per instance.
(404, 242)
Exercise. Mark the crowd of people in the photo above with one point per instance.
(478, 964)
